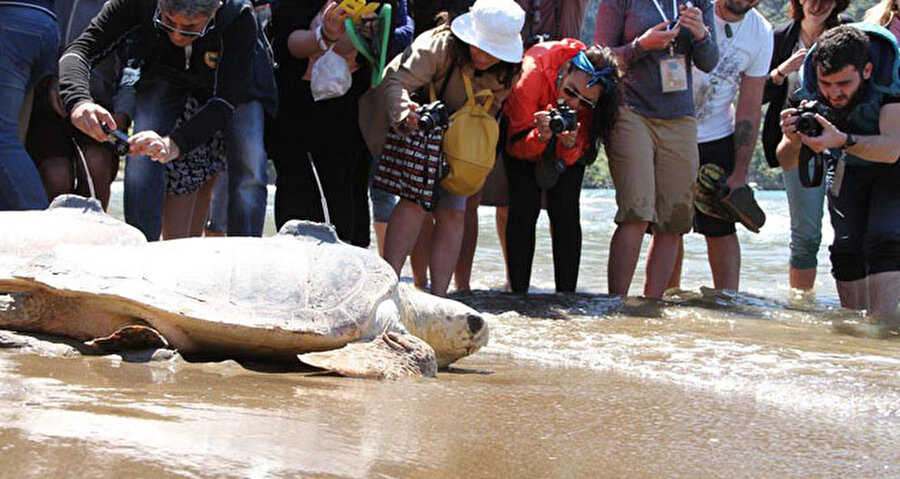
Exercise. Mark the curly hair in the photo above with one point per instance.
(606, 112)
(842, 46)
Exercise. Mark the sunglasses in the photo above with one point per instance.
(583, 100)
(162, 25)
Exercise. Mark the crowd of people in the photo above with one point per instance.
(411, 103)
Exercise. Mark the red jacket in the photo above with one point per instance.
(536, 91)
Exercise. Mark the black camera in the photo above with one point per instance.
(433, 115)
(563, 118)
(806, 121)
(119, 139)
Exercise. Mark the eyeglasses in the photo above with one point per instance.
(583, 100)
(162, 25)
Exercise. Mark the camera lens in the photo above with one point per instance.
(426, 123)
(557, 124)
(121, 148)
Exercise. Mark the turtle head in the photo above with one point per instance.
(451, 328)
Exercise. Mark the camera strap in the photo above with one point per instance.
(807, 155)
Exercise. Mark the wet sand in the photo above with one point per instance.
(492, 416)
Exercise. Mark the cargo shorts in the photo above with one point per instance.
(653, 163)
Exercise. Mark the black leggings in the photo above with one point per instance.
(339, 166)
(565, 224)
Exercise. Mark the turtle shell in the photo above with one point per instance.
(241, 296)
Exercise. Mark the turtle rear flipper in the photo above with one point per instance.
(388, 356)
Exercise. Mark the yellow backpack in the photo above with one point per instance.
(470, 143)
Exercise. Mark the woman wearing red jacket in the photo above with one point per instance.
(543, 153)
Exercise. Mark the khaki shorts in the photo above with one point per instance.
(654, 164)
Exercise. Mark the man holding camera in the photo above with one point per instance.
(852, 71)
(564, 103)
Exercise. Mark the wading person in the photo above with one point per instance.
(726, 135)
(809, 19)
(653, 148)
(483, 47)
(207, 48)
(854, 74)
(563, 105)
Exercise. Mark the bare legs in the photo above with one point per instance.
(184, 216)
(403, 233)
(624, 249)
(724, 255)
(463, 274)
(804, 279)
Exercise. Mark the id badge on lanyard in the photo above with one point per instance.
(672, 67)
(673, 72)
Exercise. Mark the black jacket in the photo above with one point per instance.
(786, 38)
(228, 66)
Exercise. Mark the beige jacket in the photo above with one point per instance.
(426, 61)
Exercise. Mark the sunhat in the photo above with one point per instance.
(493, 26)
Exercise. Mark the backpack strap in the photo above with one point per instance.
(486, 93)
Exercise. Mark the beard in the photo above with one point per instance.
(736, 8)
(841, 115)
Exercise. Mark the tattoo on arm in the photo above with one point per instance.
(743, 134)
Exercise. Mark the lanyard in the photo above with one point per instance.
(663, 14)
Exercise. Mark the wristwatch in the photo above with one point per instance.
(851, 140)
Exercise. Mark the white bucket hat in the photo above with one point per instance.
(494, 26)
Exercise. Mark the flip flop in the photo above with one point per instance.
(709, 205)
(741, 203)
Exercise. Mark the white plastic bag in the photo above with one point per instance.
(330, 76)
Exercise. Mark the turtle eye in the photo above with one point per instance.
(475, 323)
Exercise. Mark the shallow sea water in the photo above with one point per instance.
(705, 384)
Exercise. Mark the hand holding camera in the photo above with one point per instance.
(150, 143)
(807, 123)
(88, 117)
(561, 121)
(433, 115)
(810, 123)
(118, 139)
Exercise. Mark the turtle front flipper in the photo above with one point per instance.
(389, 356)
(129, 338)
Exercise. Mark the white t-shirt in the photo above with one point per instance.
(748, 51)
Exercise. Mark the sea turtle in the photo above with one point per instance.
(302, 293)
